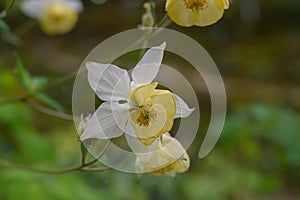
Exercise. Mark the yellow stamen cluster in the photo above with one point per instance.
(145, 114)
(195, 5)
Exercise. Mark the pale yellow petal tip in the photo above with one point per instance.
(226, 4)
(147, 141)
(58, 18)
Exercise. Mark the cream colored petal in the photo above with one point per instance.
(160, 164)
(226, 4)
(140, 94)
(147, 134)
(156, 162)
(139, 149)
(182, 164)
(211, 14)
(166, 99)
(171, 148)
(180, 14)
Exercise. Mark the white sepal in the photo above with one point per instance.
(147, 68)
(34, 8)
(108, 81)
(108, 121)
(182, 109)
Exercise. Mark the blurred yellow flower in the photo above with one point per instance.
(58, 19)
(196, 12)
(169, 158)
(54, 16)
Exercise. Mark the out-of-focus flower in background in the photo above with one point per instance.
(169, 158)
(148, 19)
(196, 12)
(54, 16)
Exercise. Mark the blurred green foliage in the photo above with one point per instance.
(255, 157)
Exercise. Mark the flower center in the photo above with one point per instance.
(195, 5)
(145, 114)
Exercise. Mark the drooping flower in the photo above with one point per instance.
(134, 107)
(54, 16)
(196, 12)
(168, 158)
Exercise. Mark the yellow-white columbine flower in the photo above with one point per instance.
(134, 107)
(196, 12)
(54, 16)
(168, 158)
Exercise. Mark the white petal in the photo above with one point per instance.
(34, 8)
(109, 82)
(147, 68)
(108, 121)
(182, 109)
(139, 149)
(75, 5)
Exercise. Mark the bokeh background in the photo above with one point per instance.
(256, 46)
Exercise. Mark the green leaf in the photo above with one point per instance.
(22, 72)
(3, 27)
(38, 82)
(50, 102)
(6, 35)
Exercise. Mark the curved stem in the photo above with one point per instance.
(51, 112)
(163, 20)
(7, 164)
(82, 167)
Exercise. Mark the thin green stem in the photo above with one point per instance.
(82, 167)
(7, 164)
(163, 20)
(50, 112)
